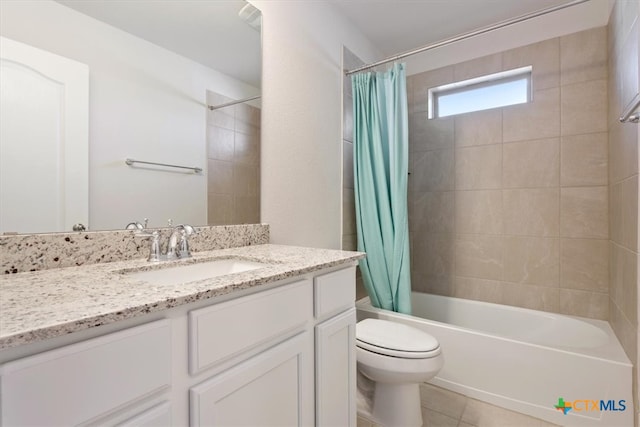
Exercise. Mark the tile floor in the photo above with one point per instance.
(444, 408)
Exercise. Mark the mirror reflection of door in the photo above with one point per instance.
(44, 110)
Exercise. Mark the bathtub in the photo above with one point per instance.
(525, 360)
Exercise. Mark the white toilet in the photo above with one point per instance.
(397, 358)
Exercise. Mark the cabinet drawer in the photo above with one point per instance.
(79, 382)
(334, 292)
(247, 325)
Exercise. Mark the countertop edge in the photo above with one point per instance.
(114, 315)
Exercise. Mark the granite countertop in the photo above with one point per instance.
(35, 306)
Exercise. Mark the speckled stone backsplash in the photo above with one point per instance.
(34, 252)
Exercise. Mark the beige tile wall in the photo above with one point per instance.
(511, 205)
(233, 163)
(624, 56)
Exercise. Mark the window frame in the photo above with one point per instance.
(488, 80)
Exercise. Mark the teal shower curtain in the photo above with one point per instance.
(380, 173)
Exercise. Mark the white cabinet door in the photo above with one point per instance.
(274, 388)
(336, 371)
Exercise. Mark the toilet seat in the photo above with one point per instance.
(397, 358)
(395, 339)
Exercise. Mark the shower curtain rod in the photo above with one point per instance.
(628, 116)
(229, 104)
(467, 35)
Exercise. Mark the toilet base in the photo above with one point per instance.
(397, 405)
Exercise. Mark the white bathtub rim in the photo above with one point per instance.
(611, 353)
(597, 334)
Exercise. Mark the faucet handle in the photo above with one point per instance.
(185, 251)
(185, 231)
(155, 253)
(189, 230)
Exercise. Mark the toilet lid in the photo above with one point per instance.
(393, 338)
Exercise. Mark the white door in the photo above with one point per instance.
(44, 135)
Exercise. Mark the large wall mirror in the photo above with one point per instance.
(87, 85)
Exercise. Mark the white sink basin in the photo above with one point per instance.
(198, 271)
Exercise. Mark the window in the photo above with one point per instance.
(482, 93)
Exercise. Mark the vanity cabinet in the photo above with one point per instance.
(284, 356)
(261, 359)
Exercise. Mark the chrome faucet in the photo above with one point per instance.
(177, 246)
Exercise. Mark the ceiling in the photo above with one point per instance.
(211, 33)
(396, 26)
(208, 32)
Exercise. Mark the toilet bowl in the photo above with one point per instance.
(397, 358)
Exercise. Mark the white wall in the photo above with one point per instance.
(571, 20)
(146, 103)
(302, 119)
